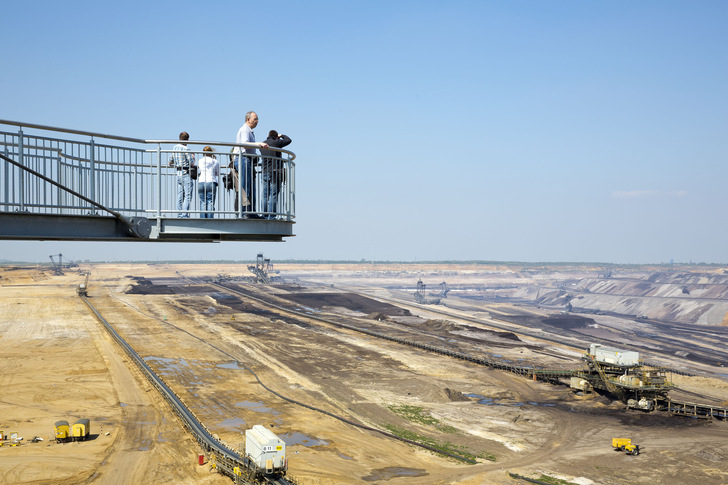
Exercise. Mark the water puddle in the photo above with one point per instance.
(490, 401)
(393, 472)
(230, 365)
(145, 445)
(257, 406)
(235, 423)
(167, 366)
(302, 439)
(165, 362)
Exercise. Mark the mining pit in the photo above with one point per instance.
(59, 363)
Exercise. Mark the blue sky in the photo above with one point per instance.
(462, 130)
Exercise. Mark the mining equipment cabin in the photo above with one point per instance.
(626, 445)
(624, 375)
(63, 431)
(82, 289)
(81, 429)
(265, 452)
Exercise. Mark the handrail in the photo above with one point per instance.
(135, 178)
(222, 143)
(136, 140)
(138, 227)
(66, 130)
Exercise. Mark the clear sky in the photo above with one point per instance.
(459, 130)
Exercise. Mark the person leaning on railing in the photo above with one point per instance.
(273, 172)
(183, 160)
(208, 172)
(247, 167)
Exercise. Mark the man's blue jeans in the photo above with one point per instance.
(248, 181)
(271, 188)
(207, 192)
(184, 195)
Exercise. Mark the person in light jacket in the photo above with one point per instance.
(208, 171)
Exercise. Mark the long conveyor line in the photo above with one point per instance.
(226, 459)
(523, 331)
(677, 408)
(546, 374)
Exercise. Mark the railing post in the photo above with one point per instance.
(240, 184)
(92, 172)
(21, 173)
(292, 189)
(159, 181)
(284, 207)
(6, 195)
(61, 180)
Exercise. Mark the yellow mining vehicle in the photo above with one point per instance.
(625, 444)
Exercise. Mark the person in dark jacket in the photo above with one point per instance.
(274, 172)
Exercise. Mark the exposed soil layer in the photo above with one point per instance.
(205, 342)
(351, 301)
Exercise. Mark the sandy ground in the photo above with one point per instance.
(58, 363)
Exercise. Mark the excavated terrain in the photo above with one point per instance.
(241, 354)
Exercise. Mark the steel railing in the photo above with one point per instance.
(131, 176)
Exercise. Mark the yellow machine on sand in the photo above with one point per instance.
(625, 444)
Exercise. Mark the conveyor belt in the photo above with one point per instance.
(226, 459)
(678, 408)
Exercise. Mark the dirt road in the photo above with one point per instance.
(59, 364)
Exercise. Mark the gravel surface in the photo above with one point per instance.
(58, 363)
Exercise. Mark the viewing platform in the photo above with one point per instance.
(62, 184)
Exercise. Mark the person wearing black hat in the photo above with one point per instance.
(273, 172)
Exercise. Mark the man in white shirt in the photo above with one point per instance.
(246, 135)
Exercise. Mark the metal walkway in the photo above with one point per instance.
(61, 184)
